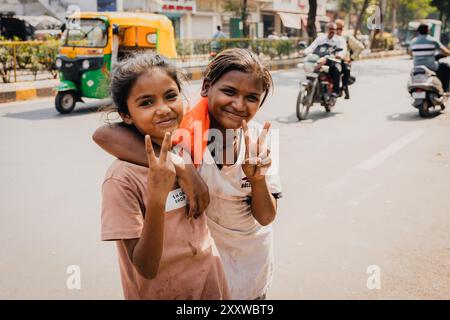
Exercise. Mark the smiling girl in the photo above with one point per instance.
(163, 253)
(243, 197)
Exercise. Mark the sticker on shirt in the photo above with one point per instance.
(245, 183)
(175, 200)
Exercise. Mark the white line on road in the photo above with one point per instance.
(388, 152)
(374, 161)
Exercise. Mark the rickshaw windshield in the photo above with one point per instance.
(85, 33)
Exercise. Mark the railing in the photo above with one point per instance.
(25, 60)
(30, 60)
(193, 50)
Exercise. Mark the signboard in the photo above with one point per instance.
(179, 6)
(106, 5)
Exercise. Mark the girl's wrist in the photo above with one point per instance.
(156, 200)
(257, 180)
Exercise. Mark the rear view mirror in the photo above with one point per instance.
(115, 29)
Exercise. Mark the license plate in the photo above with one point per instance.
(419, 95)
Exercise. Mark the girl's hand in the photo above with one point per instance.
(195, 188)
(162, 174)
(257, 162)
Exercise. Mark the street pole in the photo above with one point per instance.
(244, 19)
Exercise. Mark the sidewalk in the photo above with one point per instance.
(19, 91)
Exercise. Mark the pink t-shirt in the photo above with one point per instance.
(190, 266)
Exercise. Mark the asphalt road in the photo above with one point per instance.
(365, 212)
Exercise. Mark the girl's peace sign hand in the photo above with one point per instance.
(257, 157)
(161, 175)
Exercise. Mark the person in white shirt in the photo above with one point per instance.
(333, 40)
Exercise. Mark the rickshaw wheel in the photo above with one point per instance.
(65, 101)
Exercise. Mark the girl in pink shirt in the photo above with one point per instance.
(164, 253)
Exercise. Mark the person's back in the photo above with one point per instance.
(423, 49)
(219, 34)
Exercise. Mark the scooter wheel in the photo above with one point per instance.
(424, 109)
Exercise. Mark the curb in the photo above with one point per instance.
(192, 73)
(26, 94)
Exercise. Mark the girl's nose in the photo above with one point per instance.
(239, 104)
(163, 109)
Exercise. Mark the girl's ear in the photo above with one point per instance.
(205, 88)
(126, 118)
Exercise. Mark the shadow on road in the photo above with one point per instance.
(81, 109)
(411, 116)
(312, 117)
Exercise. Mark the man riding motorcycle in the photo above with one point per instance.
(354, 49)
(423, 49)
(332, 39)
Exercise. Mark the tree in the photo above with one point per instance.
(239, 9)
(444, 11)
(361, 16)
(311, 27)
(244, 19)
(409, 10)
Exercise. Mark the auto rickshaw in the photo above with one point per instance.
(92, 42)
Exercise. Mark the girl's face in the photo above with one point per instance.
(154, 104)
(236, 96)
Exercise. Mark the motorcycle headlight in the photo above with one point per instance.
(58, 63)
(85, 64)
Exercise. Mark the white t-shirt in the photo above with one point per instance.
(244, 245)
(337, 41)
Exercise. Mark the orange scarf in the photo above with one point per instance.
(196, 125)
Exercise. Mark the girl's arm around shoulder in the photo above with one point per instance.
(123, 142)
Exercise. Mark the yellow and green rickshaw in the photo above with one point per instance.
(93, 41)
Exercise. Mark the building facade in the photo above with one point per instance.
(198, 19)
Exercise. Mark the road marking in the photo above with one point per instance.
(376, 160)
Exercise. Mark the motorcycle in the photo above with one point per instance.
(426, 90)
(318, 86)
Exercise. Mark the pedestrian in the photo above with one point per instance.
(243, 197)
(219, 34)
(273, 36)
(163, 252)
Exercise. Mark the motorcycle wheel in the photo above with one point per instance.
(302, 109)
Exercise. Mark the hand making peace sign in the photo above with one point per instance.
(162, 174)
(257, 157)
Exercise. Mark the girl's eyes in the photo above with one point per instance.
(149, 102)
(146, 103)
(172, 96)
(253, 98)
(228, 92)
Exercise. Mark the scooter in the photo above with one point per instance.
(426, 90)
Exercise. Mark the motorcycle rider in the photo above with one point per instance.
(333, 40)
(423, 49)
(354, 49)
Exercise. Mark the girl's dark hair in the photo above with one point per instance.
(127, 71)
(238, 59)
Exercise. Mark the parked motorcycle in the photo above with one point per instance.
(426, 90)
(318, 86)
